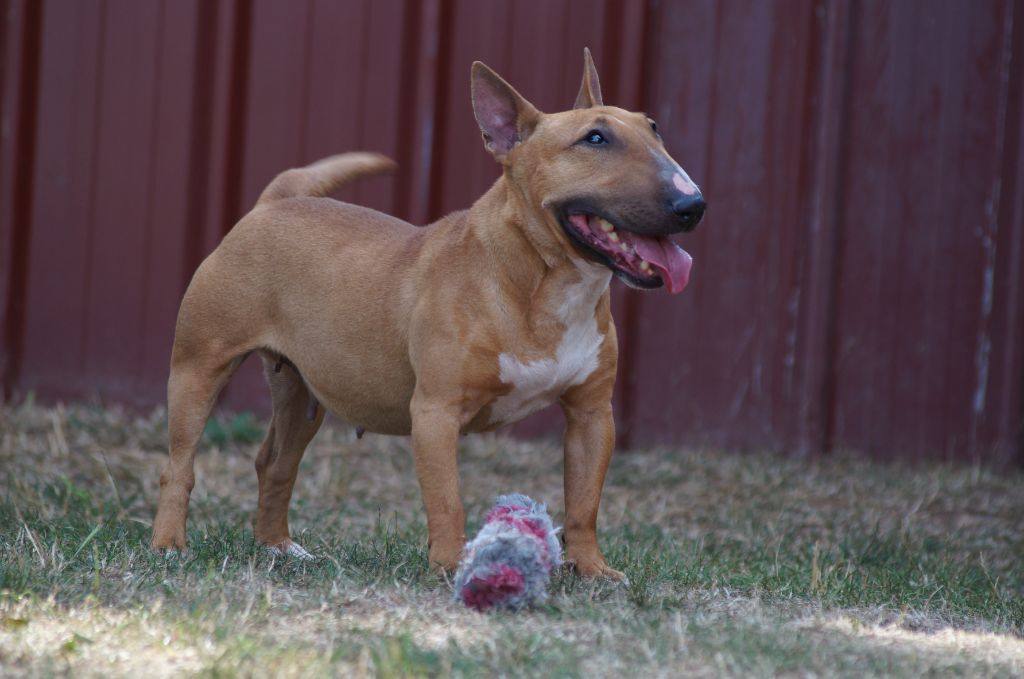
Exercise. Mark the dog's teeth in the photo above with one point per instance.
(625, 248)
(613, 237)
(605, 225)
(645, 265)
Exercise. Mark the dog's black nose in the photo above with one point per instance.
(689, 210)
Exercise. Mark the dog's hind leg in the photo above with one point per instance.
(192, 390)
(293, 426)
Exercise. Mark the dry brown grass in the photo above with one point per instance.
(688, 523)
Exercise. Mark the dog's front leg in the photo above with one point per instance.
(589, 440)
(435, 433)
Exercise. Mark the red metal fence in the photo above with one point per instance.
(859, 275)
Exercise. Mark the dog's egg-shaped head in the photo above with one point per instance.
(598, 176)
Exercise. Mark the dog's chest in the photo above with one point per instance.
(538, 383)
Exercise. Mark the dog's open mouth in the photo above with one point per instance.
(641, 261)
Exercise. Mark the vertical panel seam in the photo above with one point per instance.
(945, 404)
(90, 225)
(612, 44)
(828, 395)
(408, 86)
(362, 102)
(197, 190)
(23, 187)
(307, 78)
(237, 114)
(1017, 282)
(816, 411)
(440, 137)
(1009, 434)
(147, 236)
(983, 342)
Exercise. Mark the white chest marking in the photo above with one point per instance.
(537, 384)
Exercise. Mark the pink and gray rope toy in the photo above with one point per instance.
(509, 563)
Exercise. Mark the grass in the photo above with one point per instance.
(739, 565)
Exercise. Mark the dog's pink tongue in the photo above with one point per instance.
(671, 261)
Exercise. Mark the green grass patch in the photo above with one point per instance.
(737, 566)
(238, 428)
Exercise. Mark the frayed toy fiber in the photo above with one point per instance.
(509, 563)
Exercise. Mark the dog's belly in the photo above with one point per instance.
(378, 398)
(365, 384)
(379, 412)
(379, 420)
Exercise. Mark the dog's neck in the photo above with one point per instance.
(515, 231)
(519, 242)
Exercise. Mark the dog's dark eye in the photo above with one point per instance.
(595, 138)
(654, 126)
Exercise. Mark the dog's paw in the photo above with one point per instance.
(166, 542)
(595, 567)
(173, 554)
(445, 561)
(292, 549)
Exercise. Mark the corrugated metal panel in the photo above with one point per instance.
(919, 224)
(715, 365)
(858, 280)
(19, 77)
(105, 250)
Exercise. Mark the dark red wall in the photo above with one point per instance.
(858, 279)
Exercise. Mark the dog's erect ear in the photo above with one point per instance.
(504, 116)
(590, 88)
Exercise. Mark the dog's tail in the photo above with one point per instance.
(324, 176)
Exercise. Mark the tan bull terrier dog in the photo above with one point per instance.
(465, 325)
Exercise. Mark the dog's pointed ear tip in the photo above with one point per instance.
(481, 69)
(586, 53)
